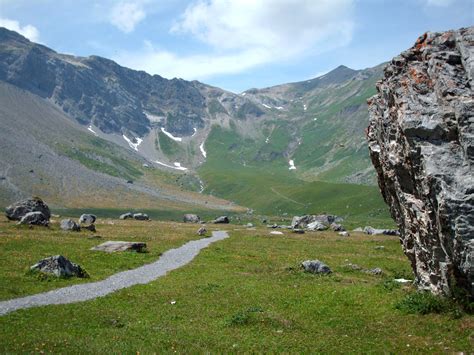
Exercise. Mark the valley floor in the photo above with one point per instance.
(243, 294)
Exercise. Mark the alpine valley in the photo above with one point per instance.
(85, 132)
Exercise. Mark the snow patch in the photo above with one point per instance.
(279, 107)
(176, 166)
(131, 144)
(91, 130)
(292, 165)
(267, 140)
(402, 281)
(315, 119)
(195, 131)
(305, 107)
(177, 139)
(201, 147)
(265, 105)
(244, 93)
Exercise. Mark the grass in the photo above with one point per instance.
(244, 294)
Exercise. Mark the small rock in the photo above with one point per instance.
(34, 218)
(127, 215)
(202, 231)
(276, 233)
(353, 266)
(336, 227)
(402, 281)
(141, 217)
(249, 225)
(344, 234)
(221, 220)
(376, 271)
(69, 225)
(316, 226)
(87, 219)
(59, 266)
(113, 246)
(298, 231)
(379, 247)
(90, 227)
(315, 267)
(191, 218)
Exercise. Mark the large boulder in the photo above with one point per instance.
(36, 218)
(113, 246)
(141, 217)
(127, 215)
(421, 142)
(302, 222)
(59, 266)
(87, 219)
(17, 210)
(191, 218)
(69, 225)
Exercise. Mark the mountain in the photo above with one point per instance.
(173, 137)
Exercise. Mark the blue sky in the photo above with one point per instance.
(235, 44)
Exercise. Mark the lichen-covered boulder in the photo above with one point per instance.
(17, 210)
(421, 142)
(59, 266)
(36, 218)
(69, 225)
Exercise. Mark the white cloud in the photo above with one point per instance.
(29, 31)
(241, 34)
(126, 15)
(439, 3)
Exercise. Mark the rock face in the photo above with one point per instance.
(59, 266)
(421, 142)
(17, 210)
(113, 246)
(191, 218)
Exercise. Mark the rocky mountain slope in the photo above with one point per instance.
(421, 139)
(188, 133)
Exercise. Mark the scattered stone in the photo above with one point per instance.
(249, 225)
(379, 247)
(90, 228)
(315, 267)
(59, 266)
(18, 210)
(336, 227)
(344, 234)
(141, 217)
(69, 225)
(402, 281)
(202, 231)
(373, 231)
(298, 231)
(376, 271)
(36, 218)
(127, 215)
(87, 219)
(316, 226)
(421, 144)
(221, 220)
(113, 246)
(302, 222)
(191, 218)
(276, 233)
(353, 267)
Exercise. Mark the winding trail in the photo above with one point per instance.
(170, 260)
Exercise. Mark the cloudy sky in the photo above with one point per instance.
(234, 44)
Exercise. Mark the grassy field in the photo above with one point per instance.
(244, 294)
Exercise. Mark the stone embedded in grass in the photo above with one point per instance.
(379, 247)
(315, 267)
(373, 231)
(113, 246)
(18, 210)
(59, 266)
(344, 234)
(375, 271)
(298, 231)
(336, 227)
(276, 233)
(34, 218)
(202, 231)
(221, 220)
(87, 219)
(249, 225)
(316, 226)
(69, 225)
(127, 215)
(191, 218)
(141, 217)
(90, 228)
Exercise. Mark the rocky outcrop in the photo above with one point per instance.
(421, 142)
(17, 210)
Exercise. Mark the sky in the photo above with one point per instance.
(234, 44)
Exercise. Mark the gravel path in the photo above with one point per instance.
(170, 260)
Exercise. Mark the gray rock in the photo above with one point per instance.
(373, 231)
(69, 225)
(202, 231)
(17, 210)
(59, 266)
(344, 234)
(221, 220)
(191, 218)
(298, 231)
(315, 267)
(379, 247)
(141, 217)
(421, 143)
(249, 225)
(90, 227)
(358, 229)
(113, 246)
(127, 215)
(87, 219)
(336, 227)
(316, 226)
(304, 221)
(376, 271)
(34, 218)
